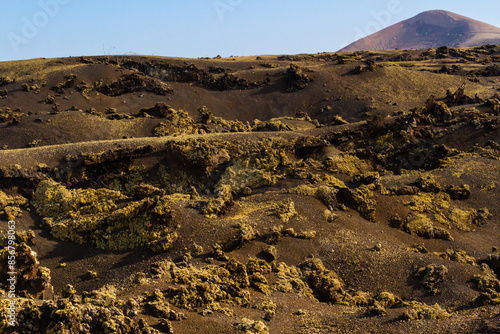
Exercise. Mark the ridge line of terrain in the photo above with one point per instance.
(52, 154)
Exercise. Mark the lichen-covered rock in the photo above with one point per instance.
(360, 199)
(176, 122)
(162, 269)
(459, 192)
(31, 279)
(89, 215)
(419, 311)
(270, 125)
(459, 256)
(160, 308)
(68, 291)
(362, 299)
(366, 178)
(134, 83)
(404, 190)
(481, 216)
(285, 210)
(330, 216)
(248, 326)
(434, 203)
(268, 306)
(439, 205)
(247, 173)
(258, 266)
(274, 235)
(489, 285)
(202, 156)
(346, 164)
(93, 314)
(458, 218)
(144, 190)
(235, 166)
(421, 226)
(10, 205)
(428, 184)
(388, 300)
(24, 236)
(290, 279)
(245, 234)
(308, 234)
(216, 206)
(326, 194)
(325, 283)
(207, 287)
(260, 283)
(213, 123)
(6, 80)
(52, 199)
(418, 248)
(431, 277)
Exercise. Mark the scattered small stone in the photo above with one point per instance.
(269, 253)
(376, 248)
(419, 248)
(91, 274)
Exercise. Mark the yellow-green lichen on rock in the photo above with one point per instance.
(346, 164)
(459, 256)
(421, 226)
(32, 279)
(326, 283)
(247, 173)
(419, 311)
(325, 193)
(204, 289)
(52, 199)
(489, 286)
(89, 215)
(247, 326)
(439, 205)
(10, 205)
(360, 199)
(434, 203)
(74, 314)
(431, 277)
(285, 210)
(290, 280)
(20, 237)
(176, 122)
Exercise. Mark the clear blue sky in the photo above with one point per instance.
(199, 28)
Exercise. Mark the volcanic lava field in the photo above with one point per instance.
(326, 193)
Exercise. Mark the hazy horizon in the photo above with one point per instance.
(62, 28)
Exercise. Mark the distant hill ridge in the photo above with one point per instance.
(430, 29)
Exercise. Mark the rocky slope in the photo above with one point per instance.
(347, 192)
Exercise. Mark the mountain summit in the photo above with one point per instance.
(430, 29)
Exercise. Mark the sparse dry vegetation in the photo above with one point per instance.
(164, 195)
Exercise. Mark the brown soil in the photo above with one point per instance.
(349, 192)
